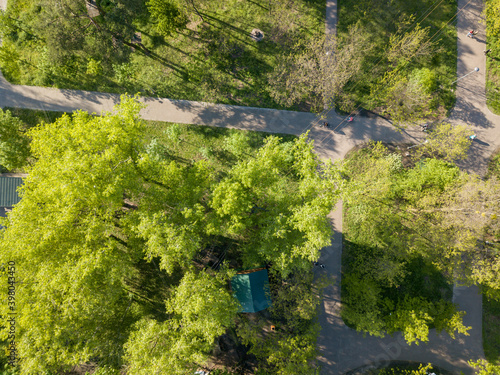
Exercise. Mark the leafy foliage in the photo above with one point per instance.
(450, 142)
(421, 370)
(115, 227)
(189, 49)
(167, 14)
(485, 368)
(291, 347)
(492, 10)
(406, 46)
(14, 149)
(392, 280)
(202, 309)
(318, 70)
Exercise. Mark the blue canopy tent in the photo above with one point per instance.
(252, 290)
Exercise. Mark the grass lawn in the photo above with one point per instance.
(494, 166)
(381, 20)
(493, 59)
(491, 329)
(214, 61)
(222, 147)
(33, 117)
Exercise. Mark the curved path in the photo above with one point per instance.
(342, 348)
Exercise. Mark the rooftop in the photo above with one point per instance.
(8, 190)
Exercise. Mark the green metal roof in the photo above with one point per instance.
(252, 290)
(8, 193)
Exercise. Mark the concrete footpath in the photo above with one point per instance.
(344, 349)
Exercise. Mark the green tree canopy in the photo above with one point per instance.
(109, 231)
(398, 236)
(167, 14)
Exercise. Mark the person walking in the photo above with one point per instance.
(471, 33)
(486, 51)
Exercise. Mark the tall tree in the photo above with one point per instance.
(276, 205)
(68, 28)
(167, 14)
(201, 310)
(66, 240)
(316, 71)
(102, 213)
(399, 237)
(449, 142)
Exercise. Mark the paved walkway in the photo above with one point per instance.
(342, 349)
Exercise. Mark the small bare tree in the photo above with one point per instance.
(315, 71)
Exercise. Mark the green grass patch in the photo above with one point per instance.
(494, 166)
(33, 117)
(214, 60)
(382, 20)
(491, 327)
(493, 58)
(221, 147)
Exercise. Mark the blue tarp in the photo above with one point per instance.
(8, 190)
(252, 290)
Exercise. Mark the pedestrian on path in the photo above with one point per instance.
(472, 137)
(486, 51)
(471, 33)
(319, 264)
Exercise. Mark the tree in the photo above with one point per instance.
(275, 205)
(449, 142)
(14, 144)
(403, 98)
(167, 15)
(291, 347)
(484, 368)
(471, 213)
(201, 310)
(316, 71)
(112, 229)
(9, 60)
(397, 238)
(71, 303)
(412, 45)
(403, 94)
(68, 29)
